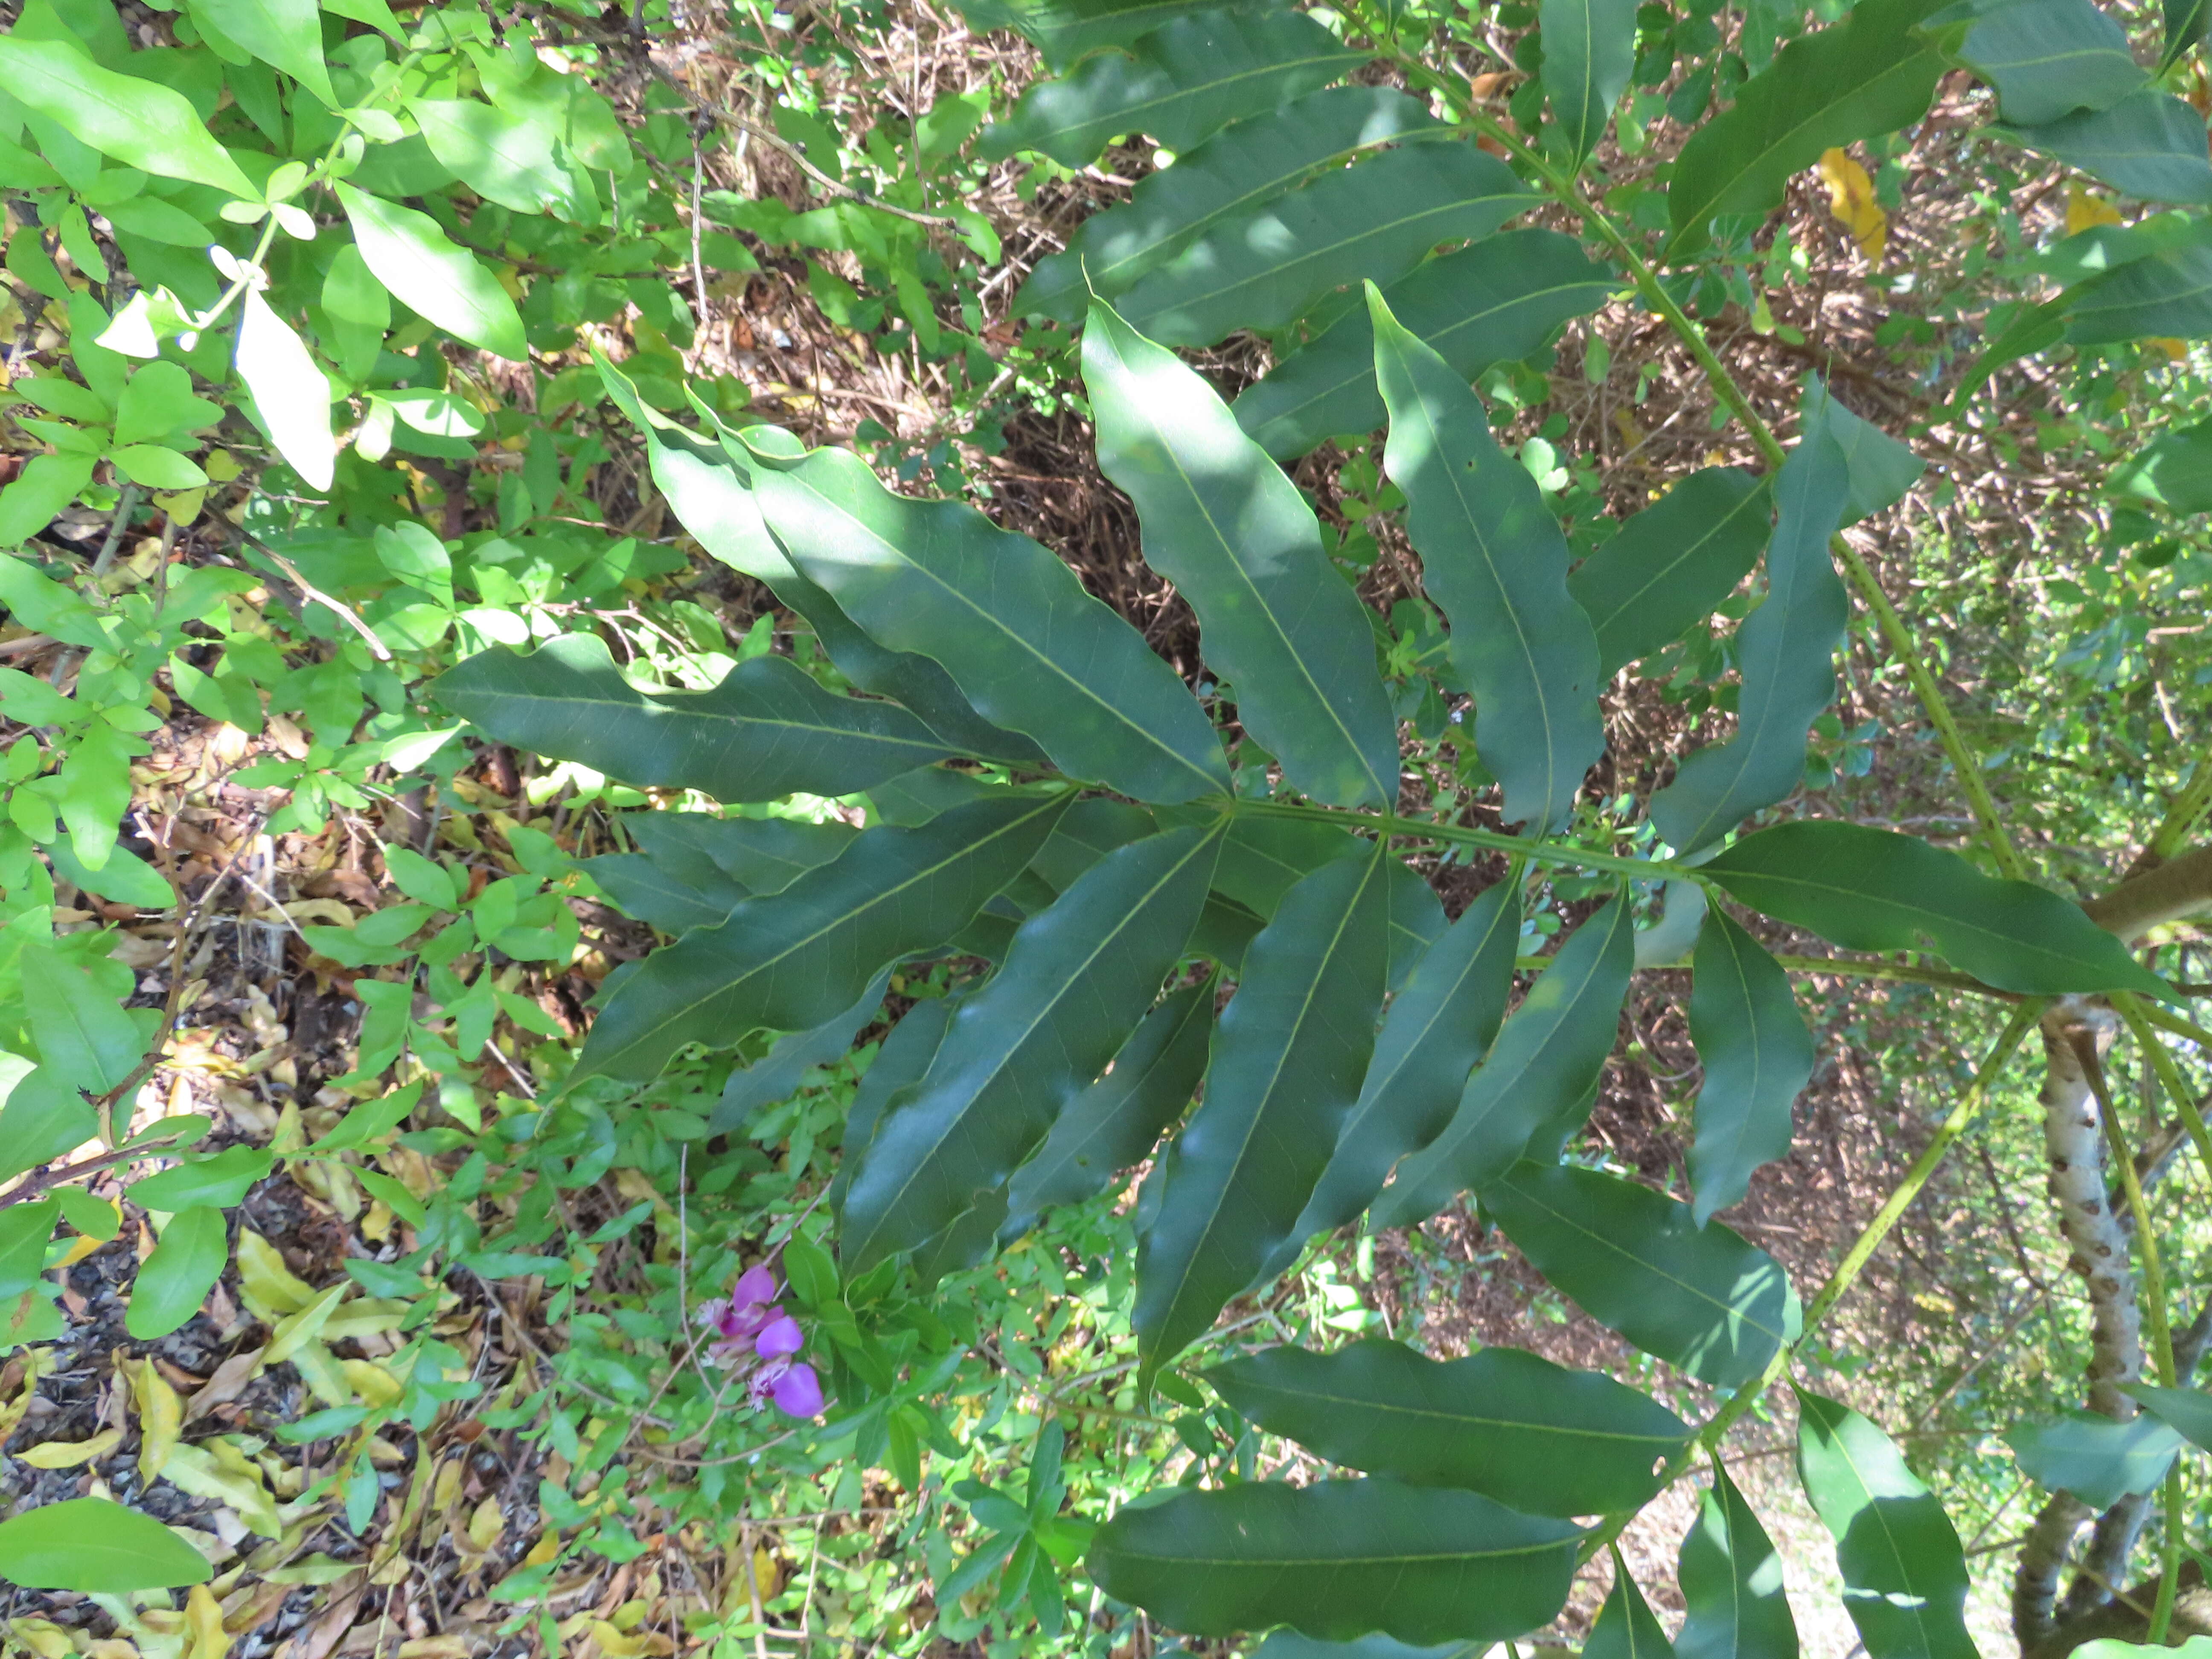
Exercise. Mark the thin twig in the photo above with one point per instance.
(315, 595)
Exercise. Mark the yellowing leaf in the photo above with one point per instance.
(271, 1289)
(304, 1326)
(2085, 208)
(374, 1384)
(160, 1418)
(205, 1637)
(1850, 201)
(69, 1454)
(486, 1525)
(2176, 349)
(617, 1645)
(195, 1469)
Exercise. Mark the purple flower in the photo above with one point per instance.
(780, 1337)
(756, 1284)
(798, 1392)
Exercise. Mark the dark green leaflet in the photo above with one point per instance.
(902, 1058)
(1672, 564)
(1904, 1574)
(1287, 1059)
(762, 855)
(1086, 832)
(2185, 28)
(1494, 559)
(1543, 1066)
(1225, 525)
(1589, 52)
(776, 1075)
(1078, 976)
(1882, 469)
(2168, 291)
(1439, 1027)
(1372, 221)
(1534, 1435)
(1787, 650)
(1120, 1118)
(767, 731)
(1181, 82)
(791, 961)
(1731, 1581)
(2189, 1410)
(1235, 170)
(1872, 73)
(1337, 1559)
(2146, 144)
(1011, 624)
(1873, 890)
(657, 896)
(1490, 302)
(1757, 1054)
(1701, 1299)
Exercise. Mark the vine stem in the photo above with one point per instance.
(1568, 193)
(1847, 1271)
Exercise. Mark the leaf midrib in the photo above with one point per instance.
(1369, 1403)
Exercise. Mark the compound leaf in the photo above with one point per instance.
(1493, 558)
(767, 730)
(1224, 524)
(1337, 1559)
(1538, 1437)
(1638, 1263)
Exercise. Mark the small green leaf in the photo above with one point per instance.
(25, 1232)
(172, 1282)
(1373, 220)
(1117, 1121)
(1223, 523)
(1012, 625)
(790, 961)
(1535, 1436)
(95, 1547)
(1638, 1263)
(42, 1117)
(140, 123)
(2098, 1461)
(1437, 1029)
(47, 485)
(2149, 145)
(292, 395)
(157, 402)
(1079, 975)
(286, 34)
(1786, 648)
(1903, 1571)
(1179, 83)
(1589, 52)
(1538, 1075)
(1870, 74)
(769, 729)
(85, 1038)
(1493, 301)
(1672, 564)
(1236, 170)
(1757, 1054)
(2174, 470)
(1337, 1559)
(1288, 1056)
(1627, 1628)
(220, 1182)
(1731, 1580)
(1493, 558)
(1874, 890)
(504, 158)
(414, 257)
